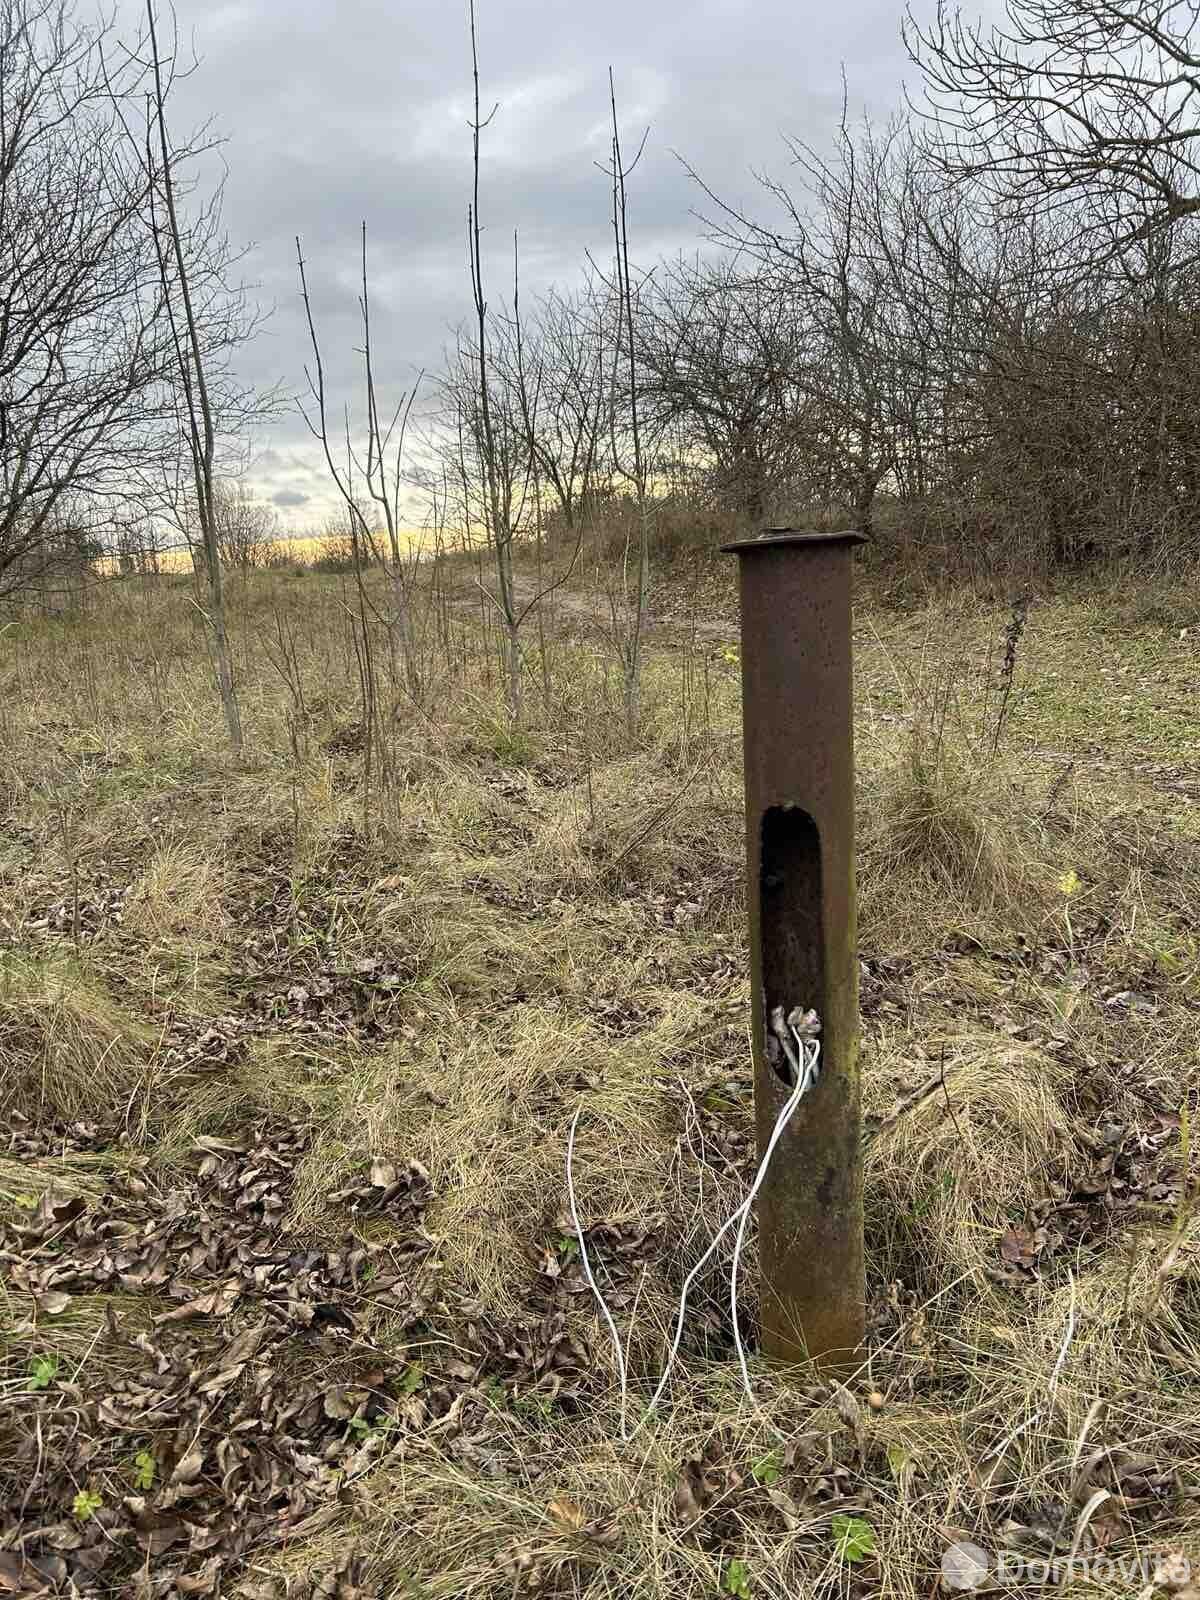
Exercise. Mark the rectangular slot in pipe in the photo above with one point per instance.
(793, 939)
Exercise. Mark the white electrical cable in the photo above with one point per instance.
(806, 1074)
(587, 1270)
(805, 1077)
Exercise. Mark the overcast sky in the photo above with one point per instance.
(337, 111)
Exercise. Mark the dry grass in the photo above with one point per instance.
(439, 961)
(179, 895)
(67, 1048)
(950, 1174)
(958, 836)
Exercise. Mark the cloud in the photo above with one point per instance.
(336, 114)
(289, 499)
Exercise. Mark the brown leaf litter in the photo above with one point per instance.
(236, 1444)
(242, 1413)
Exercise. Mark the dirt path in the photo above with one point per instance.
(565, 604)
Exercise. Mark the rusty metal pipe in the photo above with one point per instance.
(797, 702)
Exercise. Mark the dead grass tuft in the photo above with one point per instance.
(67, 1048)
(944, 1181)
(943, 841)
(179, 894)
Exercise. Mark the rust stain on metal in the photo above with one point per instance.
(797, 698)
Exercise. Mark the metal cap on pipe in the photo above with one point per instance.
(771, 538)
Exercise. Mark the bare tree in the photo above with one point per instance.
(496, 461)
(721, 353)
(497, 505)
(138, 546)
(564, 396)
(821, 260)
(871, 296)
(627, 424)
(247, 527)
(1090, 104)
(369, 472)
(495, 422)
(88, 379)
(196, 400)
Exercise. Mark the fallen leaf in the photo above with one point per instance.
(189, 1467)
(567, 1514)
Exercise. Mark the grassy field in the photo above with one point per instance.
(290, 1301)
